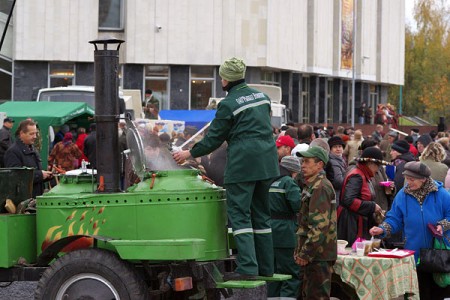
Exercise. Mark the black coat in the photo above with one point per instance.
(21, 155)
(399, 163)
(5, 142)
(90, 149)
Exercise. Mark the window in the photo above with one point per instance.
(5, 78)
(61, 74)
(305, 100)
(5, 7)
(110, 15)
(202, 86)
(270, 77)
(329, 101)
(373, 101)
(157, 80)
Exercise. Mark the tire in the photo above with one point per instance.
(90, 274)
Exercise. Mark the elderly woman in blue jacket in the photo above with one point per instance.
(422, 201)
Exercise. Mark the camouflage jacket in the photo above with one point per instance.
(317, 221)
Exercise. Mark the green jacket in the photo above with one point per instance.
(284, 201)
(243, 120)
(317, 232)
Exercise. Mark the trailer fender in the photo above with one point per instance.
(67, 244)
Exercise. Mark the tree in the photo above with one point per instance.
(426, 89)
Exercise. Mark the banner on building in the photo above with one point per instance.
(347, 34)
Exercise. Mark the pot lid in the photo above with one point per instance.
(136, 147)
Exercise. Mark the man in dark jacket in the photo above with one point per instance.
(90, 146)
(400, 156)
(243, 120)
(5, 138)
(23, 154)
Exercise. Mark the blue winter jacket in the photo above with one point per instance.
(407, 214)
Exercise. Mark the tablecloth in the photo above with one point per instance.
(376, 278)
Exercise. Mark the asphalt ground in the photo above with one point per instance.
(18, 290)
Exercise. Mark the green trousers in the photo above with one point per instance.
(316, 281)
(285, 264)
(249, 215)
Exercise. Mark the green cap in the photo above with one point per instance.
(232, 69)
(315, 151)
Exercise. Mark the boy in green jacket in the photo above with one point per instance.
(284, 201)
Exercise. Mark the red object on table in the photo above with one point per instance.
(390, 254)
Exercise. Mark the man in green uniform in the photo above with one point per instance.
(316, 249)
(243, 120)
(284, 201)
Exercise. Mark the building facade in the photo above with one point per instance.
(307, 47)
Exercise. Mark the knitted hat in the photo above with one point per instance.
(320, 143)
(285, 140)
(291, 163)
(372, 154)
(315, 151)
(424, 139)
(335, 140)
(416, 169)
(401, 146)
(232, 69)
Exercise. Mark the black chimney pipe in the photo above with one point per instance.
(106, 67)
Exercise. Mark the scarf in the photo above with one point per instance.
(420, 194)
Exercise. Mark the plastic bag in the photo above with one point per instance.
(441, 279)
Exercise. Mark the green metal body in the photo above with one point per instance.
(174, 216)
(18, 243)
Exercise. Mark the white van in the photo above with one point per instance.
(73, 93)
(86, 94)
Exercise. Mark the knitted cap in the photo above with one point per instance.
(291, 163)
(401, 146)
(320, 143)
(424, 139)
(232, 69)
(416, 169)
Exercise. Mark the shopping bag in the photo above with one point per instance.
(436, 260)
(441, 279)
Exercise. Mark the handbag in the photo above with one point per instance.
(441, 279)
(436, 260)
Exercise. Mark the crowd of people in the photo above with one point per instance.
(417, 166)
(339, 195)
